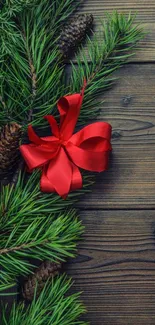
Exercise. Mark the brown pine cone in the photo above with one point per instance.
(74, 33)
(46, 271)
(10, 136)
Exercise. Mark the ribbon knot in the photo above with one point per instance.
(61, 154)
(62, 142)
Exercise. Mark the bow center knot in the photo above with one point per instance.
(62, 142)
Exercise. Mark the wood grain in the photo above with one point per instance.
(115, 267)
(145, 16)
(130, 108)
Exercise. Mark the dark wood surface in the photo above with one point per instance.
(115, 267)
(130, 108)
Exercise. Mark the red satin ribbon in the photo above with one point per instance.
(61, 154)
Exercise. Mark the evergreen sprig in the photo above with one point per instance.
(34, 224)
(13, 7)
(6, 282)
(30, 72)
(117, 41)
(46, 237)
(52, 307)
(31, 79)
(26, 198)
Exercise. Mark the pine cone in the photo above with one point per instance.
(74, 33)
(46, 271)
(10, 136)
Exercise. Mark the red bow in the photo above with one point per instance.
(61, 154)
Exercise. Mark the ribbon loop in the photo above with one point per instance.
(53, 124)
(62, 154)
(69, 108)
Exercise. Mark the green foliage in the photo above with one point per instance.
(26, 198)
(31, 77)
(30, 72)
(45, 237)
(5, 283)
(7, 31)
(36, 225)
(52, 307)
(12, 7)
(118, 38)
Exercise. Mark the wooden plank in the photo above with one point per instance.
(145, 15)
(115, 267)
(130, 108)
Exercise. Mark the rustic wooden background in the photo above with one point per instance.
(115, 268)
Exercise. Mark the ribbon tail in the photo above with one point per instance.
(45, 184)
(76, 178)
(57, 176)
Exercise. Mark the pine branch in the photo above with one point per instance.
(118, 39)
(48, 237)
(14, 7)
(7, 31)
(5, 283)
(21, 247)
(53, 306)
(30, 197)
(28, 63)
(26, 214)
(22, 97)
(32, 226)
(33, 78)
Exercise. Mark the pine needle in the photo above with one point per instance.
(115, 45)
(52, 307)
(45, 237)
(29, 56)
(6, 282)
